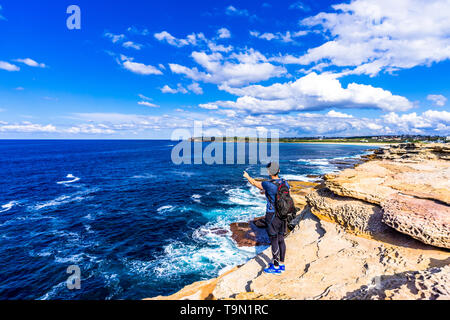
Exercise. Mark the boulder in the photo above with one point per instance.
(425, 220)
(247, 234)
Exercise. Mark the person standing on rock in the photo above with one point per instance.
(275, 226)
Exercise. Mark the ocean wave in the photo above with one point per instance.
(69, 176)
(144, 176)
(314, 162)
(64, 199)
(297, 177)
(248, 197)
(165, 208)
(8, 206)
(196, 198)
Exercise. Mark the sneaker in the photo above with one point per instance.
(272, 269)
(282, 267)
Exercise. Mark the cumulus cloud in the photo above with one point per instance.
(133, 45)
(300, 124)
(137, 67)
(196, 39)
(286, 37)
(312, 92)
(437, 99)
(191, 39)
(429, 121)
(134, 30)
(179, 89)
(234, 70)
(8, 66)
(115, 37)
(195, 87)
(233, 11)
(336, 114)
(31, 63)
(223, 33)
(381, 35)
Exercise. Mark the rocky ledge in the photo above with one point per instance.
(377, 231)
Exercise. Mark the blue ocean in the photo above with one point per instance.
(136, 224)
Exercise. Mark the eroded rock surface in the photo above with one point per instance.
(323, 261)
(377, 180)
(425, 220)
(354, 215)
(429, 284)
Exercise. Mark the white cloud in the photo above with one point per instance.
(8, 66)
(131, 44)
(234, 70)
(31, 63)
(209, 106)
(143, 32)
(195, 87)
(438, 99)
(179, 89)
(312, 92)
(148, 104)
(336, 114)
(138, 68)
(115, 37)
(299, 6)
(377, 35)
(192, 39)
(232, 11)
(144, 97)
(219, 47)
(90, 129)
(224, 33)
(430, 120)
(195, 39)
(287, 37)
(299, 124)
(26, 127)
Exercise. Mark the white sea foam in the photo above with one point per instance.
(314, 162)
(196, 198)
(64, 199)
(297, 177)
(248, 197)
(144, 176)
(69, 176)
(8, 206)
(165, 208)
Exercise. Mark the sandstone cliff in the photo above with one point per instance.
(377, 231)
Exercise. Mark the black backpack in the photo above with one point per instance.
(284, 204)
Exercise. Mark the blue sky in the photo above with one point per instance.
(143, 69)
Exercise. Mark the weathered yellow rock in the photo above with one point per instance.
(323, 261)
(200, 290)
(377, 180)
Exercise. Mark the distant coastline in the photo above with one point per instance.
(369, 144)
